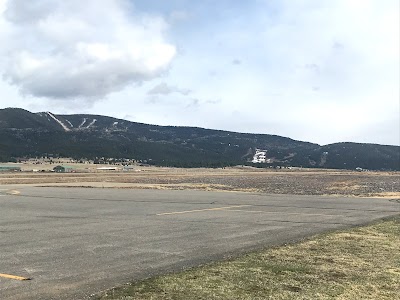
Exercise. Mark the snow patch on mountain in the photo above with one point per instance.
(69, 123)
(91, 123)
(83, 122)
(58, 121)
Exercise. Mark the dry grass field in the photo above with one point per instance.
(360, 263)
(298, 181)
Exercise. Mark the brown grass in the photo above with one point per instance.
(360, 263)
(301, 182)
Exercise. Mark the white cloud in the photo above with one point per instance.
(309, 65)
(322, 71)
(165, 89)
(80, 49)
(179, 16)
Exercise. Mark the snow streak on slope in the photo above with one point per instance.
(58, 121)
(69, 123)
(91, 123)
(83, 122)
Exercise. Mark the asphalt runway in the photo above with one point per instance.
(76, 242)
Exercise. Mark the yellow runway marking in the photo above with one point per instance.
(199, 210)
(279, 212)
(13, 277)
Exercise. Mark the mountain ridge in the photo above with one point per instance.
(27, 134)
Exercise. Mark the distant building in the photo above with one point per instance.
(128, 168)
(108, 168)
(260, 156)
(63, 169)
(10, 169)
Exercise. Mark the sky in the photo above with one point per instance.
(322, 71)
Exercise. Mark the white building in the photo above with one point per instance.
(260, 156)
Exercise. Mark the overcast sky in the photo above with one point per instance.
(322, 71)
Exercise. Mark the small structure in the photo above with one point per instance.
(260, 156)
(63, 169)
(128, 168)
(10, 169)
(108, 168)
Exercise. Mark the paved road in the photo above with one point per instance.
(75, 242)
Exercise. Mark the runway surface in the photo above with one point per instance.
(74, 242)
